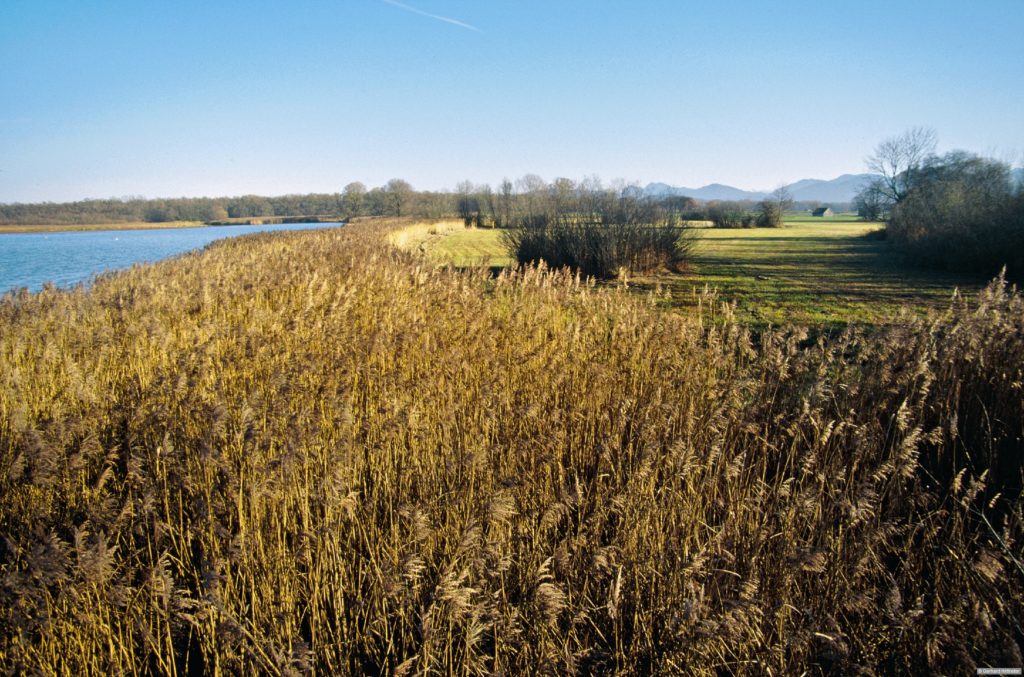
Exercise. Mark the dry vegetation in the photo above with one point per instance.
(312, 452)
(417, 236)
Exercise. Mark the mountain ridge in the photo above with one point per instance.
(843, 188)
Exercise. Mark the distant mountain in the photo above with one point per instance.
(1017, 176)
(840, 189)
(714, 191)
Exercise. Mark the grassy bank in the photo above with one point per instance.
(269, 220)
(452, 243)
(422, 236)
(314, 452)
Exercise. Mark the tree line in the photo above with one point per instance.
(478, 204)
(396, 198)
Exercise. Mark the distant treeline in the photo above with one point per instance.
(507, 204)
(162, 210)
(396, 198)
(480, 204)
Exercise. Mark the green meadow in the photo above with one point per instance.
(823, 272)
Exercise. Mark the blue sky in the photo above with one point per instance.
(109, 99)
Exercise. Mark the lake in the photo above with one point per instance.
(67, 258)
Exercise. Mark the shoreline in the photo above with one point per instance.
(164, 225)
(130, 225)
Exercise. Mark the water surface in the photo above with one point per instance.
(67, 258)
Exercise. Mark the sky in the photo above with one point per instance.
(127, 98)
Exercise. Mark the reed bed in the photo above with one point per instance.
(314, 453)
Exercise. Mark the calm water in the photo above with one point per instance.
(30, 259)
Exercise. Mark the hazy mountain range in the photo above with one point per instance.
(840, 189)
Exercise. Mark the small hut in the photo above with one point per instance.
(823, 211)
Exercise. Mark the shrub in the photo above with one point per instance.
(963, 214)
(602, 240)
(771, 210)
(600, 249)
(731, 215)
(769, 216)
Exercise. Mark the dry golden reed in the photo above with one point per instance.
(312, 452)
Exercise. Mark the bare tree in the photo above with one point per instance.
(897, 161)
(489, 205)
(531, 187)
(468, 203)
(772, 209)
(507, 194)
(870, 204)
(352, 199)
(399, 192)
(562, 194)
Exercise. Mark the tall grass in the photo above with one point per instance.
(309, 452)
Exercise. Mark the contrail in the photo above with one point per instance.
(447, 20)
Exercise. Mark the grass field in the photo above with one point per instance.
(812, 272)
(821, 272)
